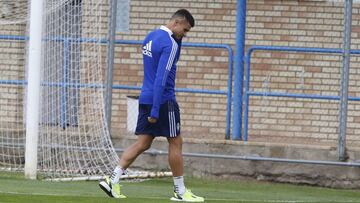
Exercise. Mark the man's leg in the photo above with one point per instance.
(130, 154)
(176, 163)
(111, 185)
(175, 156)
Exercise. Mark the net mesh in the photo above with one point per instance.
(73, 140)
(13, 16)
(13, 12)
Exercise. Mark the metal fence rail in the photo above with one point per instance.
(248, 93)
(67, 41)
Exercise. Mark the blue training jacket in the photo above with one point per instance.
(160, 54)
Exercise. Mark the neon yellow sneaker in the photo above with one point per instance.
(188, 196)
(113, 190)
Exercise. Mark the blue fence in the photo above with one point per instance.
(228, 93)
(66, 44)
(248, 93)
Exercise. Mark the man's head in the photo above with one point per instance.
(181, 22)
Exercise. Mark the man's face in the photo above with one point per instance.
(182, 26)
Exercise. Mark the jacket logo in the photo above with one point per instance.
(147, 49)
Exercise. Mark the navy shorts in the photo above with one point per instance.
(167, 125)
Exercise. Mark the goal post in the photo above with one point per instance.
(33, 88)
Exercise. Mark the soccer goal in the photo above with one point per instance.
(71, 137)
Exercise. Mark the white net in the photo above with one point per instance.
(74, 140)
(13, 16)
(13, 12)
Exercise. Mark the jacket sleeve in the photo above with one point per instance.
(165, 63)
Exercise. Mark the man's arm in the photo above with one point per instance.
(165, 63)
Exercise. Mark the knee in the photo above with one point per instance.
(143, 146)
(175, 143)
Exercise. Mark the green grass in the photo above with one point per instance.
(14, 188)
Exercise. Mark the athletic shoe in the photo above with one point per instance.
(188, 196)
(113, 190)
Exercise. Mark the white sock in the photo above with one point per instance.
(179, 185)
(115, 176)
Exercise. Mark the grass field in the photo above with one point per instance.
(13, 188)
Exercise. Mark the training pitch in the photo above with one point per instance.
(14, 188)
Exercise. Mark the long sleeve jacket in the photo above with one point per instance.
(160, 54)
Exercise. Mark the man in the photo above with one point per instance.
(158, 110)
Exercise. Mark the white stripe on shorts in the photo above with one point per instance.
(172, 122)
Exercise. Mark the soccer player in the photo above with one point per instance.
(159, 113)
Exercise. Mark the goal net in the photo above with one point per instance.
(73, 137)
(13, 22)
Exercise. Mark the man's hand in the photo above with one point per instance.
(152, 120)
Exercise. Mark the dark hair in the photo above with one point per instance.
(183, 13)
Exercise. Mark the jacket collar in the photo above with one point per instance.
(166, 29)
